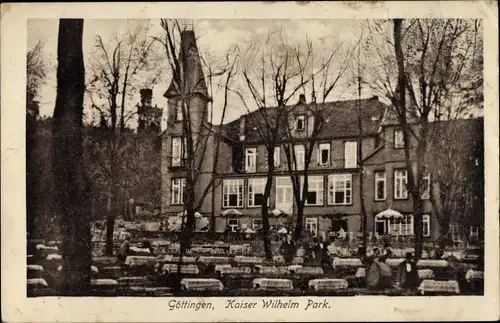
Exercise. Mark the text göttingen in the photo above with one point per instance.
(244, 304)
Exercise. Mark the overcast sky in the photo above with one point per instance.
(215, 36)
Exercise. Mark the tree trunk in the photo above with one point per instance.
(111, 217)
(265, 218)
(32, 180)
(72, 189)
(299, 224)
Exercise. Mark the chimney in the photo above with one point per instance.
(302, 99)
(242, 128)
(146, 97)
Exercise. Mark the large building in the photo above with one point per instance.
(333, 200)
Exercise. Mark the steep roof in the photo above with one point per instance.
(341, 116)
(192, 72)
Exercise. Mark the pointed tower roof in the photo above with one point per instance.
(191, 67)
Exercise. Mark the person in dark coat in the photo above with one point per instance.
(288, 249)
(408, 273)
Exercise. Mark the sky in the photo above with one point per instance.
(214, 36)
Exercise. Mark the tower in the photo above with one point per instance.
(149, 116)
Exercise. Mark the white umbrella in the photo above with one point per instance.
(283, 230)
(231, 212)
(196, 214)
(389, 213)
(277, 212)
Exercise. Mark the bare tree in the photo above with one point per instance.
(199, 132)
(317, 115)
(71, 185)
(36, 69)
(437, 63)
(115, 74)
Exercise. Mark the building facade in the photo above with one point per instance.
(333, 200)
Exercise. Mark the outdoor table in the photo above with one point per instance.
(457, 254)
(241, 248)
(219, 266)
(214, 259)
(272, 284)
(248, 260)
(308, 271)
(46, 248)
(348, 262)
(132, 261)
(37, 283)
(133, 281)
(328, 284)
(266, 270)
(234, 270)
(54, 256)
(297, 260)
(201, 284)
(37, 268)
(425, 273)
(394, 262)
(104, 282)
(436, 286)
(185, 269)
(186, 259)
(140, 250)
(436, 263)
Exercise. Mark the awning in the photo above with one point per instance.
(389, 214)
(231, 212)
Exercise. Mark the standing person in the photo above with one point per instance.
(317, 250)
(124, 249)
(288, 249)
(408, 273)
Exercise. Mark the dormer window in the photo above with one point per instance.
(300, 123)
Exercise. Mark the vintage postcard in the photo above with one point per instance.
(281, 161)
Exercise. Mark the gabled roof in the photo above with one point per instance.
(341, 118)
(191, 67)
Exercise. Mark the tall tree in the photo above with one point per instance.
(117, 72)
(72, 188)
(438, 64)
(36, 69)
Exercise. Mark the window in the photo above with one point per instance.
(398, 139)
(178, 186)
(400, 182)
(312, 226)
(426, 186)
(315, 190)
(300, 123)
(277, 156)
(300, 156)
(233, 193)
(350, 154)
(256, 191)
(284, 192)
(256, 224)
(379, 186)
(178, 111)
(178, 151)
(324, 154)
(402, 226)
(474, 233)
(426, 225)
(340, 189)
(233, 224)
(250, 158)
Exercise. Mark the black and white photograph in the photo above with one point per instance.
(282, 160)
